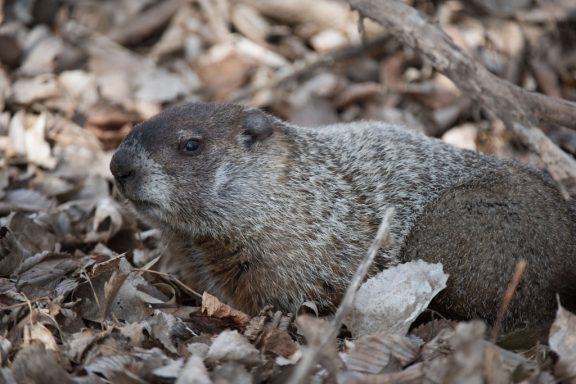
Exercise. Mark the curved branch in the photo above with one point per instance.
(518, 108)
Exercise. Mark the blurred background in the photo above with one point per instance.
(77, 75)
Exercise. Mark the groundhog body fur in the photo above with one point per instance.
(257, 211)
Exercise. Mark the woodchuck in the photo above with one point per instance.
(258, 211)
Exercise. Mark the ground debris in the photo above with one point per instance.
(81, 299)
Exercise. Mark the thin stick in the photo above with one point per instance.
(305, 66)
(518, 108)
(518, 271)
(491, 348)
(171, 278)
(311, 356)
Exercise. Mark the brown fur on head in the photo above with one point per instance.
(180, 168)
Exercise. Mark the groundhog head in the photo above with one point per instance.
(196, 167)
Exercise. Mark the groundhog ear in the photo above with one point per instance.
(257, 125)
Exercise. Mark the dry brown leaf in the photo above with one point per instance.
(131, 303)
(108, 221)
(356, 93)
(315, 330)
(100, 288)
(35, 147)
(38, 88)
(463, 136)
(161, 86)
(328, 40)
(80, 342)
(10, 49)
(232, 372)
(134, 332)
(169, 371)
(278, 342)
(438, 92)
(432, 329)
(562, 340)
(40, 52)
(162, 327)
(145, 24)
(38, 150)
(469, 362)
(222, 70)
(12, 252)
(255, 327)
(391, 70)
(319, 15)
(213, 307)
(5, 348)
(258, 54)
(35, 237)
(376, 353)
(4, 83)
(390, 301)
(232, 346)
(43, 274)
(34, 364)
(108, 365)
(501, 7)
(414, 374)
(27, 200)
(250, 23)
(39, 333)
(194, 372)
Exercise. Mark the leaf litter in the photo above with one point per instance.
(80, 297)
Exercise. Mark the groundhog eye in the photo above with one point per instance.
(190, 146)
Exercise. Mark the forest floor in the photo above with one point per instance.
(80, 299)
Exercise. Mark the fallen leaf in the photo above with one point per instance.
(108, 221)
(375, 353)
(278, 342)
(170, 371)
(390, 301)
(34, 364)
(222, 70)
(37, 332)
(40, 51)
(80, 342)
(562, 340)
(161, 326)
(213, 307)
(232, 346)
(463, 136)
(38, 88)
(161, 86)
(27, 200)
(194, 372)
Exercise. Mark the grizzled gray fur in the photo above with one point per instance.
(257, 211)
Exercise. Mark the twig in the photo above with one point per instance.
(26, 303)
(145, 24)
(518, 108)
(310, 358)
(491, 348)
(85, 275)
(170, 278)
(303, 67)
(518, 271)
(216, 19)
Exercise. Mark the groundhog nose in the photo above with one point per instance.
(122, 167)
